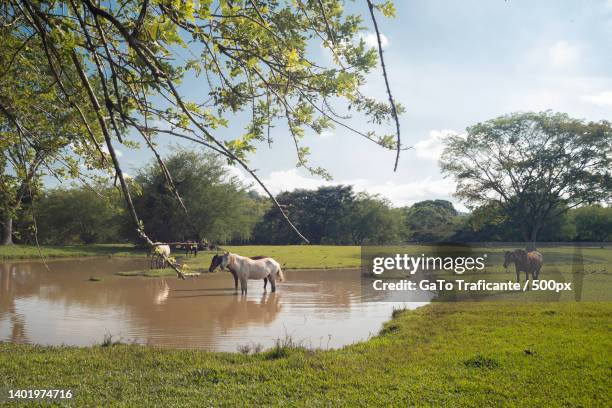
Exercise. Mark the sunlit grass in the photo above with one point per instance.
(67, 251)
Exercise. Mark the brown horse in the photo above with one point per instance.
(528, 262)
(216, 261)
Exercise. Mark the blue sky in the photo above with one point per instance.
(453, 64)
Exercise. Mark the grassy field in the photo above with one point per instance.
(562, 259)
(66, 251)
(452, 354)
(290, 257)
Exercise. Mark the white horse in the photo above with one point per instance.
(247, 268)
(160, 253)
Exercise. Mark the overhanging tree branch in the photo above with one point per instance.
(384, 70)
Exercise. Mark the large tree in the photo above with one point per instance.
(322, 214)
(593, 223)
(80, 215)
(39, 132)
(296, 61)
(431, 220)
(533, 166)
(372, 220)
(219, 205)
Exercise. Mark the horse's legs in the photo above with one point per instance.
(518, 275)
(537, 272)
(265, 283)
(272, 282)
(243, 286)
(235, 281)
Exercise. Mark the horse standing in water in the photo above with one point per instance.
(528, 262)
(247, 268)
(216, 261)
(160, 253)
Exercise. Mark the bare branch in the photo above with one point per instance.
(384, 70)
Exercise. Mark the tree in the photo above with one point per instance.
(431, 220)
(254, 57)
(334, 215)
(322, 214)
(218, 205)
(534, 166)
(373, 221)
(80, 215)
(489, 223)
(37, 129)
(593, 223)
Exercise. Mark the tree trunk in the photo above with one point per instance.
(531, 245)
(7, 236)
(525, 233)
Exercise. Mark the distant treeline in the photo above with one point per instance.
(222, 210)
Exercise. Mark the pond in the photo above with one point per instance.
(317, 308)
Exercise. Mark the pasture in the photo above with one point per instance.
(290, 257)
(8, 252)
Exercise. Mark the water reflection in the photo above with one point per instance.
(61, 306)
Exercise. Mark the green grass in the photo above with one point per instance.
(290, 257)
(300, 256)
(452, 354)
(67, 251)
(149, 273)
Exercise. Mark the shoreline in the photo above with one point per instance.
(439, 354)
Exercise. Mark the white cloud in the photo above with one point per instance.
(399, 194)
(600, 99)
(235, 172)
(371, 40)
(287, 180)
(564, 54)
(431, 147)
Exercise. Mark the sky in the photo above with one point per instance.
(452, 64)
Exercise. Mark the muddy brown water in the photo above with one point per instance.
(318, 308)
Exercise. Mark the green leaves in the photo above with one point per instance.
(533, 165)
(387, 8)
(192, 66)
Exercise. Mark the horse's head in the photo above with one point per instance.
(216, 261)
(225, 260)
(508, 258)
